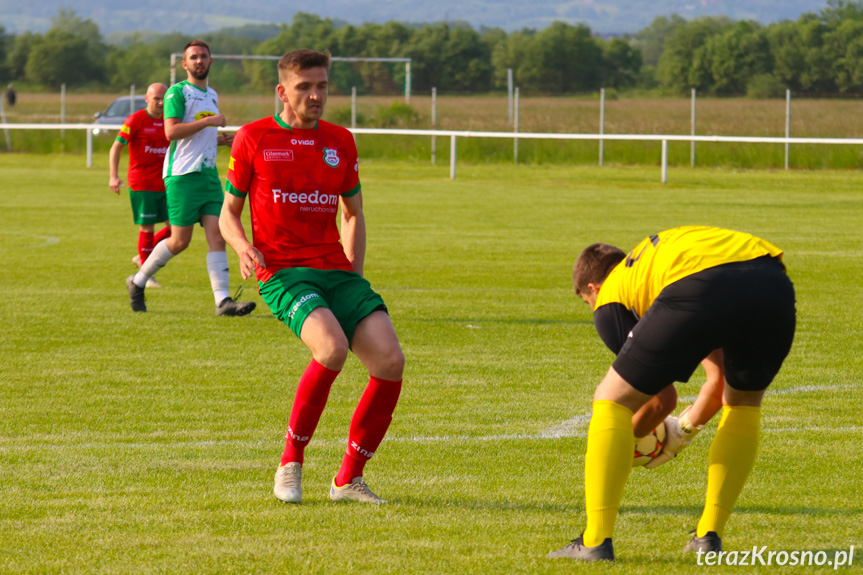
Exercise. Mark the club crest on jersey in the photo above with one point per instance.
(331, 157)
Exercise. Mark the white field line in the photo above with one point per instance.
(573, 427)
(45, 241)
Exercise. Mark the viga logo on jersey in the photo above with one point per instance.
(200, 115)
(315, 198)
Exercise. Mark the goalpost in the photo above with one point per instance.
(355, 60)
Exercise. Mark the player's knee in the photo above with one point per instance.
(177, 244)
(332, 353)
(391, 364)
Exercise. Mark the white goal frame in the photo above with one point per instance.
(407, 63)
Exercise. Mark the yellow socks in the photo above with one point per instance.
(731, 459)
(607, 465)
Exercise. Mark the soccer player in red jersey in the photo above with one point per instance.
(297, 171)
(144, 133)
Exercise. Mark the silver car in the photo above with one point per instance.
(117, 113)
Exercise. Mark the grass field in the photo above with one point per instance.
(146, 443)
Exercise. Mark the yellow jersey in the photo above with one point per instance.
(674, 254)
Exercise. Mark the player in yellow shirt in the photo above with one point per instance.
(672, 301)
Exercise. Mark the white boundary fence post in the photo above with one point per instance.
(6, 130)
(601, 124)
(62, 117)
(787, 123)
(434, 125)
(173, 69)
(509, 94)
(408, 82)
(452, 151)
(664, 161)
(515, 129)
(276, 100)
(353, 106)
(132, 99)
(692, 144)
(89, 148)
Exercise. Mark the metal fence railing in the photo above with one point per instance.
(453, 135)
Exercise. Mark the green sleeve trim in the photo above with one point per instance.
(354, 191)
(122, 141)
(175, 102)
(229, 187)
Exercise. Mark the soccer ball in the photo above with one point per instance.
(649, 446)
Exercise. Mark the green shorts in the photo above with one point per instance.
(148, 208)
(293, 293)
(193, 195)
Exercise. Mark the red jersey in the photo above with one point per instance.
(148, 145)
(294, 179)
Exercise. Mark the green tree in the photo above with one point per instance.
(71, 52)
(621, 64)
(735, 57)
(682, 66)
(845, 46)
(16, 59)
(139, 63)
(509, 54)
(560, 59)
(651, 40)
(453, 59)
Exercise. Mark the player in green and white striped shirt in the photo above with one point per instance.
(194, 191)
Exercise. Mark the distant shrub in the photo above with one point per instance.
(764, 86)
(399, 115)
(342, 116)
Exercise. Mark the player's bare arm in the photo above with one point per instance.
(709, 400)
(176, 129)
(353, 230)
(225, 139)
(114, 180)
(232, 230)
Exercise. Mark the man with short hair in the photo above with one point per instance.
(662, 308)
(194, 192)
(297, 171)
(144, 133)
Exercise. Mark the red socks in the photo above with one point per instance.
(368, 426)
(146, 241)
(312, 393)
(162, 234)
(145, 245)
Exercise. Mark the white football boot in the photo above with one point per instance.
(289, 483)
(356, 490)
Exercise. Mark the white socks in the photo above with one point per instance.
(217, 267)
(160, 256)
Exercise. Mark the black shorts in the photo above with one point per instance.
(745, 308)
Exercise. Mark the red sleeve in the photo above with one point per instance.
(128, 130)
(240, 166)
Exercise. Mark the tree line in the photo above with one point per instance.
(818, 54)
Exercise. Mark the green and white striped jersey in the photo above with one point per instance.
(188, 103)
